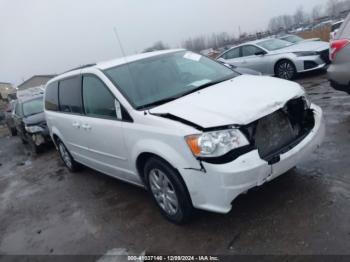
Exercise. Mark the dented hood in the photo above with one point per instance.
(239, 101)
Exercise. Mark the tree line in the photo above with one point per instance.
(332, 8)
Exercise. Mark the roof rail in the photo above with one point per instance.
(80, 67)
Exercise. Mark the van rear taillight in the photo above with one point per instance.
(336, 46)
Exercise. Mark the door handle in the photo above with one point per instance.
(76, 125)
(86, 127)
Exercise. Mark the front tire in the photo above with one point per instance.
(285, 69)
(168, 191)
(67, 158)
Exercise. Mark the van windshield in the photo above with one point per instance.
(33, 107)
(154, 81)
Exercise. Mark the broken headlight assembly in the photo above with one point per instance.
(307, 102)
(34, 129)
(216, 143)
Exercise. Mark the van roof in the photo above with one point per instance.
(128, 59)
(116, 62)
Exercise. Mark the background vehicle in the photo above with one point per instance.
(168, 121)
(6, 89)
(296, 39)
(30, 122)
(278, 57)
(334, 29)
(9, 117)
(339, 70)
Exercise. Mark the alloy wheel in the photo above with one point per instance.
(286, 70)
(65, 155)
(163, 191)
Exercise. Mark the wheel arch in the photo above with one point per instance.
(141, 162)
(56, 135)
(143, 157)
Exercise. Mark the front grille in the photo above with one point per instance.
(280, 131)
(274, 132)
(325, 56)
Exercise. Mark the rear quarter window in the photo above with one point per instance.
(232, 54)
(344, 31)
(70, 97)
(51, 97)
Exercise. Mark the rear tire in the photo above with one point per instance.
(67, 158)
(285, 69)
(168, 191)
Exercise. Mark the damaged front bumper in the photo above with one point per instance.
(215, 189)
(40, 138)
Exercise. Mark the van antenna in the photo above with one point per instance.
(124, 55)
(119, 42)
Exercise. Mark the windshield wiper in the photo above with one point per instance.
(169, 99)
(158, 103)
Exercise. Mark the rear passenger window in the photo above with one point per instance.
(51, 97)
(344, 31)
(70, 95)
(250, 50)
(234, 53)
(98, 100)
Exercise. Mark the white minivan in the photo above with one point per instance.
(190, 130)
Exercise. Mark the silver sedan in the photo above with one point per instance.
(279, 58)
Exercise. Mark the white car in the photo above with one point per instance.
(276, 57)
(185, 127)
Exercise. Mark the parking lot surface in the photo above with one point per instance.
(46, 210)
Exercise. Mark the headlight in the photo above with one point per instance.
(307, 53)
(216, 143)
(34, 129)
(307, 101)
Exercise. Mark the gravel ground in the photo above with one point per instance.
(46, 210)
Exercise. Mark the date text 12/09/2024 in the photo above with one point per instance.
(173, 258)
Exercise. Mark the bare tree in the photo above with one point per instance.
(299, 16)
(333, 7)
(156, 46)
(288, 21)
(276, 24)
(316, 12)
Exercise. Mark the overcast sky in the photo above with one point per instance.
(51, 36)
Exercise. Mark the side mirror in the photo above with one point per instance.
(260, 53)
(118, 109)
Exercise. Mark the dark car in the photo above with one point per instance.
(30, 122)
